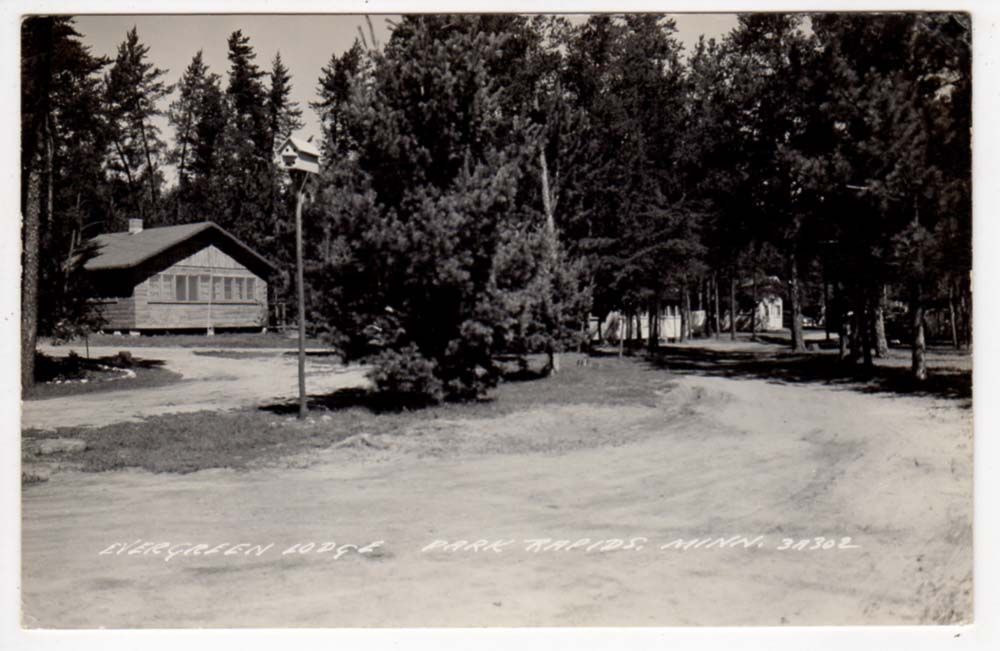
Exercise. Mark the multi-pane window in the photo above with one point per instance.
(201, 288)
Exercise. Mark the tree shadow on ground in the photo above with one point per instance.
(822, 368)
(340, 400)
(512, 370)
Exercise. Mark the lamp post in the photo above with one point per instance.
(301, 159)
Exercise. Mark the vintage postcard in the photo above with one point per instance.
(477, 319)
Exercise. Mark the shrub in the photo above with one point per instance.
(406, 377)
(123, 359)
(48, 368)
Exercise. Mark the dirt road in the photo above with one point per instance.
(211, 381)
(714, 457)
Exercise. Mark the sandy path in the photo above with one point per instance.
(210, 382)
(717, 457)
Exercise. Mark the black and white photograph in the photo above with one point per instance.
(514, 320)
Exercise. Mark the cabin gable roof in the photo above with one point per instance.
(130, 250)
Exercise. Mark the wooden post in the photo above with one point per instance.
(302, 294)
(210, 327)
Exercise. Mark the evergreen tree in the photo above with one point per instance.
(197, 117)
(63, 140)
(245, 150)
(430, 209)
(334, 91)
(134, 88)
(284, 116)
(900, 172)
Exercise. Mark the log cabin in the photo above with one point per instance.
(185, 277)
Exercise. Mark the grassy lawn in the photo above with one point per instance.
(74, 375)
(219, 340)
(184, 443)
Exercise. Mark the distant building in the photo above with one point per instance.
(186, 277)
(769, 311)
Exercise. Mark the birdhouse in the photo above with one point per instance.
(298, 154)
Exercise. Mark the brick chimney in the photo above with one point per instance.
(134, 226)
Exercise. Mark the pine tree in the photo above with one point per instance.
(63, 194)
(284, 116)
(334, 91)
(283, 119)
(134, 88)
(245, 150)
(899, 175)
(198, 120)
(433, 203)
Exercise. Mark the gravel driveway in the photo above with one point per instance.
(250, 377)
(713, 457)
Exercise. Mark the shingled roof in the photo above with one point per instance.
(126, 250)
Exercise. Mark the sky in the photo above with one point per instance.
(306, 43)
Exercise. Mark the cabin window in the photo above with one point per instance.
(154, 287)
(239, 289)
(229, 289)
(192, 288)
(180, 292)
(217, 289)
(251, 290)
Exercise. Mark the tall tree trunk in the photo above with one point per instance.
(49, 176)
(966, 305)
(621, 334)
(881, 343)
(844, 336)
(826, 301)
(754, 299)
(153, 195)
(918, 365)
(715, 286)
(682, 331)
(857, 337)
(687, 314)
(866, 331)
(952, 312)
(182, 168)
(128, 173)
(798, 337)
(854, 338)
(732, 307)
(29, 277)
(843, 324)
(550, 232)
(651, 343)
(554, 363)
